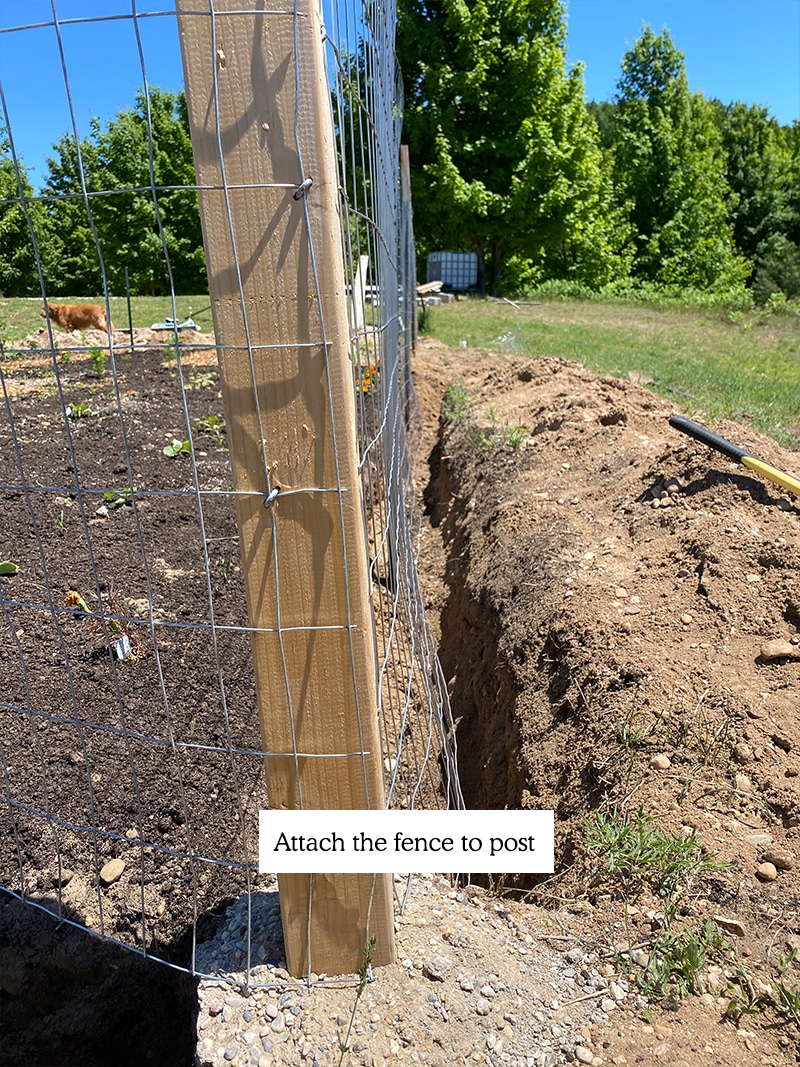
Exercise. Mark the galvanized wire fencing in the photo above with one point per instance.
(206, 524)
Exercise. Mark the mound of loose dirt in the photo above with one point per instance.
(619, 621)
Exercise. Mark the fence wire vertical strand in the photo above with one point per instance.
(165, 825)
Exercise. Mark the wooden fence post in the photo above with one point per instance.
(260, 114)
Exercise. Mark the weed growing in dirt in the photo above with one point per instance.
(639, 854)
(677, 960)
(363, 972)
(177, 448)
(455, 403)
(778, 995)
(58, 523)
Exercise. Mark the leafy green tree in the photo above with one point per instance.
(669, 172)
(504, 156)
(18, 271)
(131, 231)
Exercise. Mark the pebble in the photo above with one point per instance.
(583, 1054)
(482, 1006)
(437, 968)
(779, 649)
(231, 1052)
(732, 926)
(784, 861)
(743, 783)
(660, 762)
(278, 1024)
(112, 871)
(767, 872)
(686, 618)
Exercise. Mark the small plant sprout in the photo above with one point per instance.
(113, 628)
(177, 448)
(80, 411)
(7, 568)
(201, 380)
(214, 427)
(363, 978)
(98, 358)
(118, 498)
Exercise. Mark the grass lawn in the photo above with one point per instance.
(719, 364)
(21, 316)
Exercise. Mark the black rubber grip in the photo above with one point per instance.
(679, 422)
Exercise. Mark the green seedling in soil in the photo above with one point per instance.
(200, 380)
(363, 972)
(7, 568)
(214, 427)
(80, 411)
(118, 498)
(58, 523)
(177, 448)
(98, 358)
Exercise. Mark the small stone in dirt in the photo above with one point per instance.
(784, 861)
(779, 649)
(437, 968)
(112, 871)
(278, 1024)
(231, 1052)
(583, 1054)
(742, 753)
(482, 1006)
(743, 783)
(733, 926)
(660, 762)
(271, 1010)
(467, 984)
(767, 872)
(686, 618)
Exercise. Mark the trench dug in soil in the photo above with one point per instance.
(613, 593)
(607, 596)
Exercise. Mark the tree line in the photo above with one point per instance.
(659, 187)
(157, 238)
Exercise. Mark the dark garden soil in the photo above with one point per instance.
(150, 782)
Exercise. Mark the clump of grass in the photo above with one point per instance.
(638, 854)
(455, 403)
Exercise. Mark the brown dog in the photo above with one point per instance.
(78, 316)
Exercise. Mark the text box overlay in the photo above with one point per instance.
(419, 842)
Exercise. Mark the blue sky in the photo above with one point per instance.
(745, 50)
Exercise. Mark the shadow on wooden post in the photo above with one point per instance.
(260, 117)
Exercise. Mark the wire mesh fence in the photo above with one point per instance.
(181, 557)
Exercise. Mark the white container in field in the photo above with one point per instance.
(455, 270)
